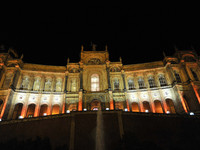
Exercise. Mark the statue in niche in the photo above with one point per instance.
(36, 85)
(115, 69)
(94, 61)
(48, 85)
(58, 85)
(25, 83)
(73, 70)
(73, 85)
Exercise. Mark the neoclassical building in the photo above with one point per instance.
(169, 86)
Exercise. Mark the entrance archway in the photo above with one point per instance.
(135, 107)
(146, 106)
(95, 105)
(55, 109)
(30, 111)
(17, 111)
(72, 107)
(170, 106)
(158, 106)
(119, 105)
(43, 110)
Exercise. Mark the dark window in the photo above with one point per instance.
(130, 84)
(195, 75)
(151, 82)
(178, 78)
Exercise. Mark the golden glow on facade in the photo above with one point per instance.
(31, 90)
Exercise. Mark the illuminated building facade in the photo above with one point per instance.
(32, 90)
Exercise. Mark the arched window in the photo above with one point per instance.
(194, 75)
(135, 107)
(162, 80)
(116, 84)
(95, 105)
(131, 84)
(95, 82)
(151, 82)
(146, 106)
(30, 111)
(17, 111)
(170, 106)
(43, 110)
(158, 106)
(55, 109)
(177, 76)
(189, 59)
(141, 83)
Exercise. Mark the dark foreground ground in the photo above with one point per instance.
(121, 131)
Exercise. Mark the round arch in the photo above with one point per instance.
(135, 107)
(17, 110)
(43, 110)
(146, 106)
(158, 106)
(30, 110)
(55, 109)
(95, 104)
(170, 106)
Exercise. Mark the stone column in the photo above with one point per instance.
(151, 102)
(31, 82)
(111, 100)
(25, 106)
(18, 84)
(123, 78)
(42, 83)
(66, 78)
(195, 88)
(37, 108)
(15, 79)
(64, 104)
(49, 110)
(7, 104)
(53, 84)
(163, 100)
(80, 99)
(140, 102)
(108, 77)
(125, 91)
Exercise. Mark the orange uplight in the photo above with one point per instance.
(196, 93)
(36, 113)
(23, 113)
(165, 107)
(153, 108)
(128, 107)
(183, 103)
(111, 105)
(80, 105)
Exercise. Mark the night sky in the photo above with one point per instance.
(139, 34)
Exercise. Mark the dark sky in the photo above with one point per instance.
(49, 35)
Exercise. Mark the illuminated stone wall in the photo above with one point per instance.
(168, 86)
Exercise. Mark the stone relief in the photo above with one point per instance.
(94, 61)
(73, 70)
(115, 69)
